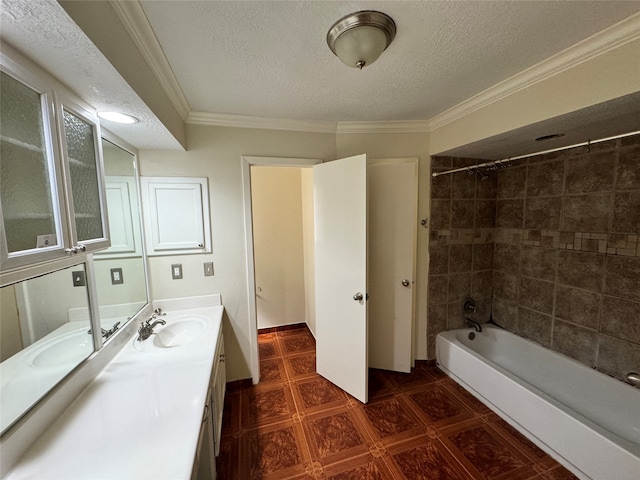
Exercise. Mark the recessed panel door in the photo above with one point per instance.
(340, 200)
(392, 206)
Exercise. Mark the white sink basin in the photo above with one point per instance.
(177, 332)
(181, 331)
(68, 348)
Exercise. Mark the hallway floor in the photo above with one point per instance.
(296, 425)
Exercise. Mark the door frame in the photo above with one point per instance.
(247, 162)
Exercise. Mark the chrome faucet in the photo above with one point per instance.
(146, 328)
(107, 333)
(475, 324)
(469, 307)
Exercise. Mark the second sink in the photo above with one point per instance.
(181, 331)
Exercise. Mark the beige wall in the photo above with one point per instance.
(608, 76)
(215, 152)
(276, 198)
(308, 242)
(131, 291)
(10, 335)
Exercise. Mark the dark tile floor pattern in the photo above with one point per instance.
(296, 425)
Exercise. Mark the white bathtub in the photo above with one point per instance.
(587, 421)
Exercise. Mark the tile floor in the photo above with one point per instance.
(296, 425)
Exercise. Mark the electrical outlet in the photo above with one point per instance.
(116, 276)
(176, 271)
(208, 269)
(79, 279)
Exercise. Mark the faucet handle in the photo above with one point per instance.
(470, 306)
(158, 311)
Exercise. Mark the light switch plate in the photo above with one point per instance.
(208, 269)
(79, 279)
(176, 271)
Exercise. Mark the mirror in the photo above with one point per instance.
(120, 269)
(45, 328)
(45, 332)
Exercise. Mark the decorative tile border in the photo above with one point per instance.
(462, 236)
(611, 243)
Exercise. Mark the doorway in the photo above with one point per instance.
(394, 304)
(282, 207)
(252, 287)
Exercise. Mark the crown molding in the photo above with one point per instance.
(399, 126)
(619, 34)
(137, 24)
(248, 121)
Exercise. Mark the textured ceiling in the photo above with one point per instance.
(270, 58)
(42, 31)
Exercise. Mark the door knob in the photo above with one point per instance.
(405, 283)
(358, 297)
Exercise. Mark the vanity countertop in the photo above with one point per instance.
(140, 417)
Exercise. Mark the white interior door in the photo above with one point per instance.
(392, 207)
(340, 200)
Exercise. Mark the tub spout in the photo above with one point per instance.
(634, 379)
(475, 324)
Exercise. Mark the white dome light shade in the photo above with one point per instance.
(360, 38)
(117, 117)
(362, 44)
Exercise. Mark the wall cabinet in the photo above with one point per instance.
(204, 465)
(176, 215)
(52, 197)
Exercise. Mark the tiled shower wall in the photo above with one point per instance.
(566, 260)
(463, 210)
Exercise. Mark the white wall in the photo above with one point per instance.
(278, 245)
(215, 152)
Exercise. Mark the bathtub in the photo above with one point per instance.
(587, 421)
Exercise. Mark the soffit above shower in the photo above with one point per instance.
(607, 119)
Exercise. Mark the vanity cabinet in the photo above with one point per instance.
(204, 465)
(52, 198)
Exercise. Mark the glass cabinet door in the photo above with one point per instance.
(28, 190)
(85, 178)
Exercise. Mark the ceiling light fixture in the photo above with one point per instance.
(358, 39)
(117, 117)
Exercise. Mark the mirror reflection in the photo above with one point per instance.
(120, 270)
(45, 332)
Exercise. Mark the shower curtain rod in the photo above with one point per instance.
(494, 164)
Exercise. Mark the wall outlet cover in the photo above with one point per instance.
(176, 271)
(116, 276)
(208, 269)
